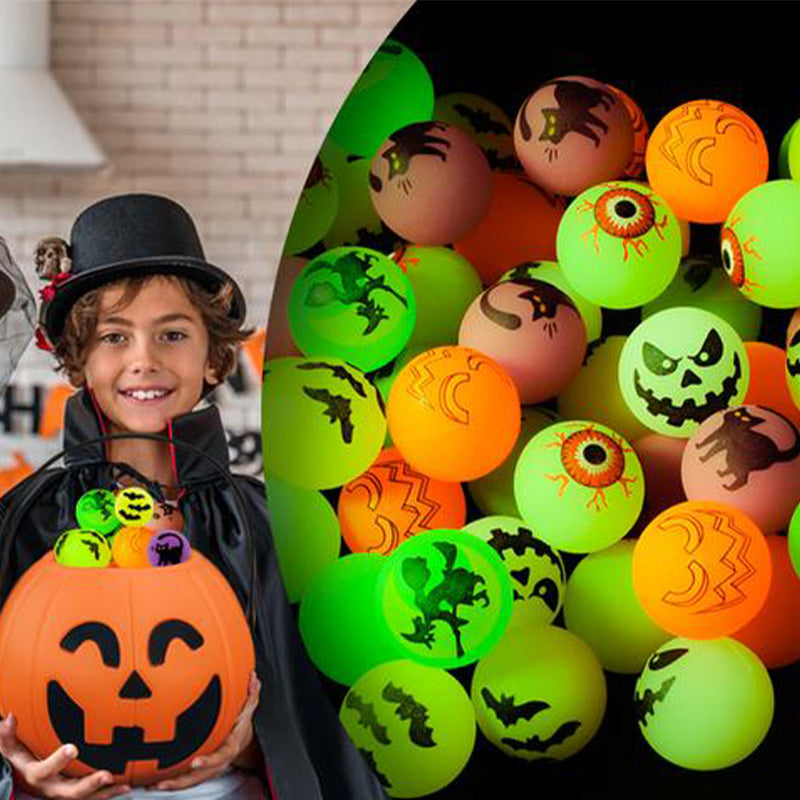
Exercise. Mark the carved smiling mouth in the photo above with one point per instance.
(689, 411)
(192, 727)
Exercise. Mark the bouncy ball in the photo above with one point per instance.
(134, 507)
(130, 548)
(95, 511)
(82, 548)
(167, 548)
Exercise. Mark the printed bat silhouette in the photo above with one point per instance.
(338, 410)
(367, 717)
(481, 120)
(507, 711)
(419, 732)
(535, 744)
(338, 372)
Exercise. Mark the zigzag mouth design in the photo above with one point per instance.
(793, 367)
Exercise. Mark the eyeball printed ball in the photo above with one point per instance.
(167, 548)
(414, 725)
(95, 511)
(129, 548)
(445, 597)
(430, 183)
(453, 413)
(619, 244)
(703, 156)
(133, 506)
(353, 303)
(704, 705)
(579, 484)
(571, 133)
(82, 548)
(702, 569)
(315, 210)
(680, 366)
(322, 422)
(540, 694)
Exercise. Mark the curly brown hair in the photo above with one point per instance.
(224, 334)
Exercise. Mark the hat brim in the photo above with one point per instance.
(55, 312)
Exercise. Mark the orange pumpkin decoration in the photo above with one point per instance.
(141, 669)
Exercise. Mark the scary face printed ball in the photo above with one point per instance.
(430, 183)
(572, 133)
(134, 507)
(793, 357)
(679, 367)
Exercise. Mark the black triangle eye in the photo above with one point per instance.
(664, 659)
(711, 351)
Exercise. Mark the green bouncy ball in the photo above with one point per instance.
(760, 243)
(322, 423)
(493, 494)
(789, 154)
(540, 694)
(444, 284)
(82, 548)
(414, 725)
(446, 598)
(595, 392)
(601, 608)
(794, 540)
(549, 272)
(340, 622)
(305, 530)
(704, 705)
(679, 367)
(315, 210)
(580, 486)
(536, 570)
(702, 283)
(394, 90)
(353, 303)
(95, 512)
(619, 244)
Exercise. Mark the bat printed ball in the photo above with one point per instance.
(167, 548)
(134, 507)
(82, 548)
(95, 512)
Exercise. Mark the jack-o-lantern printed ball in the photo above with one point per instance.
(414, 725)
(353, 303)
(619, 244)
(704, 705)
(747, 457)
(134, 507)
(579, 485)
(533, 330)
(679, 367)
(572, 133)
(430, 183)
(540, 694)
(793, 357)
(453, 413)
(702, 569)
(141, 682)
(323, 407)
(446, 598)
(536, 570)
(95, 512)
(167, 548)
(82, 548)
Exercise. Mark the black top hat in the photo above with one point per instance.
(128, 235)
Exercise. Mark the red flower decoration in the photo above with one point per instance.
(49, 292)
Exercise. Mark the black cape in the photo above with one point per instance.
(307, 752)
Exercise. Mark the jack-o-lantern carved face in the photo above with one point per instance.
(679, 367)
(793, 357)
(142, 682)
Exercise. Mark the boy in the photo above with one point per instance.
(145, 327)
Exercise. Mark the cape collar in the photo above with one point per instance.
(203, 429)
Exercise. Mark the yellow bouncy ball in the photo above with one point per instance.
(82, 548)
(134, 507)
(129, 548)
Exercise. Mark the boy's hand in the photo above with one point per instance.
(239, 739)
(44, 778)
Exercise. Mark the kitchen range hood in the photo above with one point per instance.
(39, 128)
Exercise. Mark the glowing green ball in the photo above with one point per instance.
(679, 367)
(789, 154)
(95, 512)
(82, 548)
(579, 485)
(494, 493)
(536, 570)
(619, 244)
(414, 725)
(353, 303)
(305, 530)
(794, 540)
(322, 422)
(340, 622)
(549, 272)
(601, 608)
(702, 283)
(446, 597)
(704, 705)
(315, 210)
(393, 91)
(760, 244)
(541, 693)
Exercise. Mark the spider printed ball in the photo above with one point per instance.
(134, 507)
(95, 511)
(619, 244)
(579, 485)
(82, 548)
(167, 548)
(572, 133)
(430, 183)
(703, 156)
(130, 547)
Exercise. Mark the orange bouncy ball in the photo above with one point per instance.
(701, 569)
(391, 502)
(453, 414)
(768, 385)
(129, 548)
(703, 156)
(640, 132)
